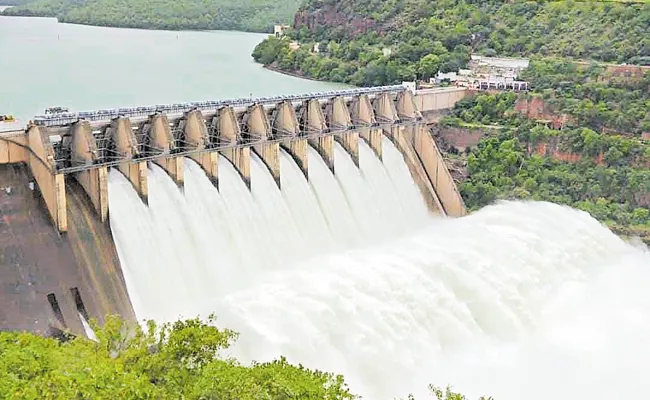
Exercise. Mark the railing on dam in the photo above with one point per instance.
(151, 142)
(64, 119)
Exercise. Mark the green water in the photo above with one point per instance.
(44, 64)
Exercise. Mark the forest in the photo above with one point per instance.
(242, 15)
(371, 42)
(180, 360)
(607, 175)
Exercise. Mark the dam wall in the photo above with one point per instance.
(49, 278)
(433, 100)
(57, 255)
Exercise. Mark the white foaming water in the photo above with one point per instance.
(90, 333)
(274, 210)
(396, 169)
(332, 201)
(519, 300)
(195, 244)
(304, 206)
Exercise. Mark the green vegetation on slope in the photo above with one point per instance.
(504, 167)
(424, 36)
(178, 361)
(606, 175)
(245, 15)
(592, 96)
(587, 94)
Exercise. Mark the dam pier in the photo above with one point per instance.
(57, 256)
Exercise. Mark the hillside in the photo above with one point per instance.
(244, 15)
(372, 42)
(605, 174)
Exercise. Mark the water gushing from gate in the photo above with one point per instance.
(349, 274)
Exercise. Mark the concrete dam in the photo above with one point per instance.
(95, 205)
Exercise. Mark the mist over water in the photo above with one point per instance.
(519, 300)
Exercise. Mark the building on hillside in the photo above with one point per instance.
(497, 73)
(498, 64)
(294, 45)
(279, 30)
(440, 77)
(487, 73)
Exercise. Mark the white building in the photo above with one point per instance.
(279, 30)
(444, 76)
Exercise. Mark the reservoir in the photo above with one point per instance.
(45, 64)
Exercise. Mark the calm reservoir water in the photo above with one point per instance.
(44, 63)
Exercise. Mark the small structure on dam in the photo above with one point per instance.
(57, 256)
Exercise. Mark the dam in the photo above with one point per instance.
(346, 263)
(62, 262)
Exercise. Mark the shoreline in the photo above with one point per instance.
(295, 75)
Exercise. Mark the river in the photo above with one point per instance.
(44, 64)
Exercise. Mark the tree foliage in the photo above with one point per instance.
(446, 394)
(611, 180)
(592, 96)
(172, 361)
(422, 35)
(244, 15)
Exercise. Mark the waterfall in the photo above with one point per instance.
(348, 273)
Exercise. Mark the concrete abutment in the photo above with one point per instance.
(125, 145)
(162, 142)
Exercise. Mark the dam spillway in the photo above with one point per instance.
(67, 161)
(200, 243)
(344, 261)
(494, 302)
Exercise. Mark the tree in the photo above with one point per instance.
(446, 394)
(171, 361)
(428, 66)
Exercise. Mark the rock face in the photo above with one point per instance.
(335, 17)
(536, 108)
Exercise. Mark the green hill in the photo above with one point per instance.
(371, 42)
(245, 15)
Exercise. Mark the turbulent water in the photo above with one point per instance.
(348, 273)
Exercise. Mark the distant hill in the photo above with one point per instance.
(244, 15)
(14, 2)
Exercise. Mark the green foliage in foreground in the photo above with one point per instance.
(172, 361)
(424, 36)
(177, 361)
(244, 15)
(446, 394)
